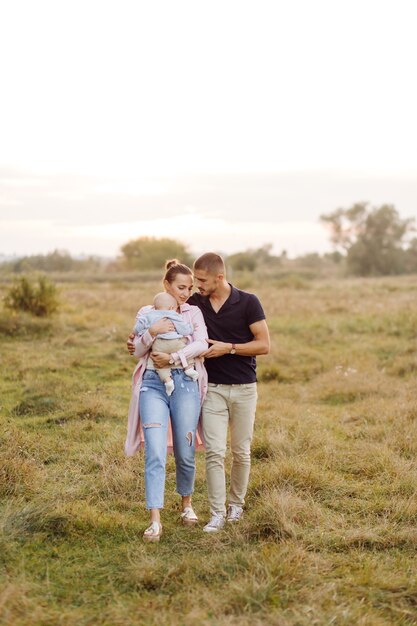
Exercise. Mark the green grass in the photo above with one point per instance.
(330, 533)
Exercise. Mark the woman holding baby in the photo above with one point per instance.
(169, 385)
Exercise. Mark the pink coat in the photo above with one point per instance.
(197, 344)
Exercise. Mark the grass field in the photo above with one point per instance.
(330, 532)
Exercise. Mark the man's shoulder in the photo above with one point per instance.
(195, 300)
(250, 304)
(245, 295)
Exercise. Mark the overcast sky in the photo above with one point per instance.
(224, 124)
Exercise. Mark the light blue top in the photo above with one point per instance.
(182, 329)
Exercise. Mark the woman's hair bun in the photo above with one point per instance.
(171, 263)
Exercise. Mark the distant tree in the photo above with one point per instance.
(263, 254)
(335, 257)
(312, 260)
(250, 259)
(150, 253)
(242, 261)
(373, 238)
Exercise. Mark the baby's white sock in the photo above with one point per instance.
(191, 372)
(169, 386)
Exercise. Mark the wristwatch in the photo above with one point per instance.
(233, 350)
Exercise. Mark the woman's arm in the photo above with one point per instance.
(142, 344)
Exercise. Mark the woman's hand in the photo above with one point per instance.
(160, 359)
(164, 325)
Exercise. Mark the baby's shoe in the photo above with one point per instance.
(192, 373)
(169, 387)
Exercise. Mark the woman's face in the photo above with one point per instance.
(181, 288)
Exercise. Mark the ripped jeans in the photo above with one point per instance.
(155, 407)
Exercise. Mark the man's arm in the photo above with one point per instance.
(260, 343)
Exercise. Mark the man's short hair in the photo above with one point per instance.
(211, 263)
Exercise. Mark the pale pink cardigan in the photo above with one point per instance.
(197, 344)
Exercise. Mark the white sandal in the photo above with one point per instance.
(188, 516)
(153, 532)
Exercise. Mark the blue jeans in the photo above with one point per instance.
(155, 408)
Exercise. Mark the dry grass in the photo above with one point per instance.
(329, 536)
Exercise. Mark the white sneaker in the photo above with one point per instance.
(215, 524)
(234, 513)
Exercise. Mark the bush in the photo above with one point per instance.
(14, 324)
(269, 373)
(291, 281)
(40, 300)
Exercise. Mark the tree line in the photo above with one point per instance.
(367, 241)
(56, 261)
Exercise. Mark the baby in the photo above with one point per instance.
(165, 305)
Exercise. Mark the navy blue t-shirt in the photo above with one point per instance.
(231, 325)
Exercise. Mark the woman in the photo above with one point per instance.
(156, 409)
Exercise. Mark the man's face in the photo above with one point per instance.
(206, 283)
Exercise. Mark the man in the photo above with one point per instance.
(237, 333)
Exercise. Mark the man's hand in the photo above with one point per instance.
(130, 344)
(219, 348)
(160, 359)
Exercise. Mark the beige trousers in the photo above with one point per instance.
(225, 405)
